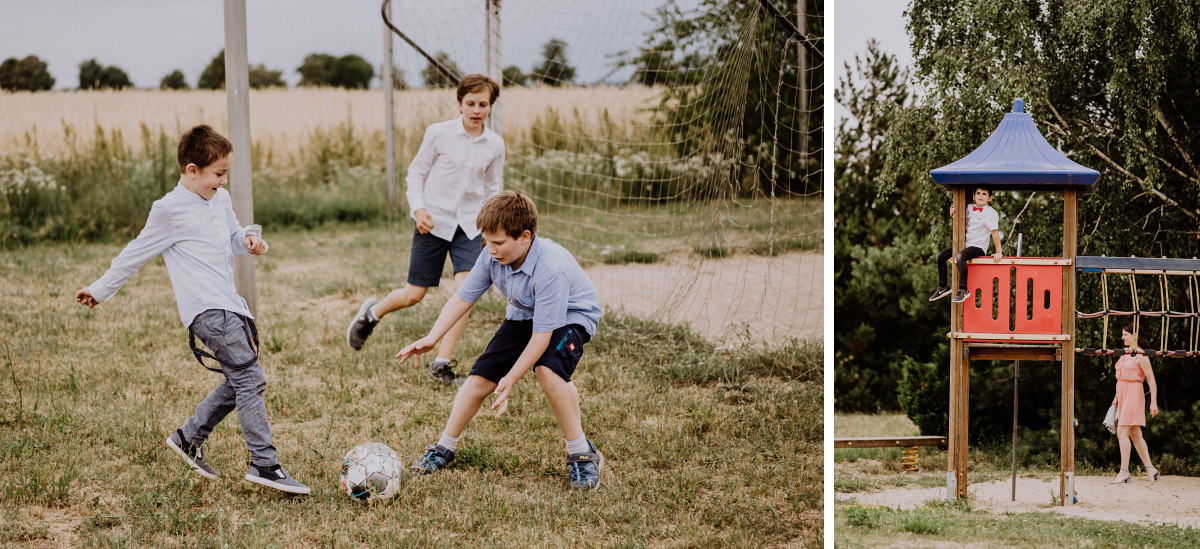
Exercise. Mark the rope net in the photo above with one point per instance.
(682, 170)
(1163, 307)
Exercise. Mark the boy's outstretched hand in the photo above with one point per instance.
(84, 296)
(255, 244)
(418, 347)
(502, 391)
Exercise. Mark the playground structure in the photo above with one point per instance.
(1024, 308)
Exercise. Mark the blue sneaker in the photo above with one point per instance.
(584, 469)
(436, 457)
(275, 477)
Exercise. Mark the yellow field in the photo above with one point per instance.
(283, 120)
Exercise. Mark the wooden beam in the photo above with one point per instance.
(888, 442)
(956, 477)
(1009, 336)
(1047, 353)
(237, 93)
(987, 260)
(1067, 429)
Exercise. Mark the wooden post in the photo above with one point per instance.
(956, 471)
(389, 121)
(1070, 245)
(494, 70)
(802, 69)
(237, 91)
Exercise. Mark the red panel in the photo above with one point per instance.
(978, 309)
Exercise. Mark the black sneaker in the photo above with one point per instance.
(275, 477)
(362, 325)
(436, 457)
(961, 296)
(443, 372)
(939, 293)
(583, 470)
(193, 455)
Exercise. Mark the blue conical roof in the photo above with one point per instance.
(1016, 156)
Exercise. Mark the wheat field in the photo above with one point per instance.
(283, 120)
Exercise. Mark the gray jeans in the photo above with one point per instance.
(224, 332)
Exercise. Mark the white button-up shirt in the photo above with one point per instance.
(980, 225)
(452, 176)
(197, 239)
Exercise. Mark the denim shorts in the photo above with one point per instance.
(429, 256)
(561, 356)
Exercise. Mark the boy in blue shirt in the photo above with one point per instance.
(552, 312)
(197, 233)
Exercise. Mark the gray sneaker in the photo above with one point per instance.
(193, 455)
(584, 469)
(961, 296)
(275, 477)
(362, 325)
(443, 372)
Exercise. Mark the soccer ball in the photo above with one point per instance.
(371, 472)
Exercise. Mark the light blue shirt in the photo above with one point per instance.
(197, 239)
(550, 288)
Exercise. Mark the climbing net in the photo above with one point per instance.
(1178, 299)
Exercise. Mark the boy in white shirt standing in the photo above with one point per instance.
(982, 222)
(197, 233)
(459, 166)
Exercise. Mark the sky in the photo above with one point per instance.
(150, 38)
(857, 21)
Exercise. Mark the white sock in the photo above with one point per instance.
(578, 446)
(371, 314)
(448, 442)
(441, 359)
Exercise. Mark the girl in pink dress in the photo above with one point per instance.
(1131, 403)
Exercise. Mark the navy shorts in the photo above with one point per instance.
(429, 256)
(561, 356)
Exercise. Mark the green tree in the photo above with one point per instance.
(30, 74)
(174, 81)
(262, 77)
(317, 70)
(433, 78)
(750, 70)
(656, 65)
(213, 76)
(513, 76)
(94, 76)
(1106, 88)
(554, 70)
(352, 72)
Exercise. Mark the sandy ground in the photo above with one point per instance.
(742, 299)
(1171, 500)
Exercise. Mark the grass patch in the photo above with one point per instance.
(625, 257)
(703, 447)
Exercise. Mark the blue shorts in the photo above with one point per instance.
(561, 356)
(429, 256)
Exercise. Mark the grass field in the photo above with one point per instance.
(703, 447)
(958, 524)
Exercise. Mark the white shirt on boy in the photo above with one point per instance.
(453, 174)
(197, 239)
(980, 224)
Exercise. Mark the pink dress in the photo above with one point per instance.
(1131, 400)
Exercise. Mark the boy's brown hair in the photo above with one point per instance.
(475, 83)
(509, 211)
(202, 146)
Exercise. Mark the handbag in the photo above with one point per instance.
(1110, 419)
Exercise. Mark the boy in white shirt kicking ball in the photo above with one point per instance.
(982, 223)
(197, 233)
(459, 166)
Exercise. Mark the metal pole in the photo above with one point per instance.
(237, 91)
(802, 68)
(494, 71)
(389, 121)
(1016, 381)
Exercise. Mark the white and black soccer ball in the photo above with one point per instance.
(371, 472)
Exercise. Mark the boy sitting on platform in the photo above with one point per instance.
(982, 221)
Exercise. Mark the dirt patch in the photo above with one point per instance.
(741, 299)
(1171, 500)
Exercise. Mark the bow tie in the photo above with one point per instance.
(976, 209)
